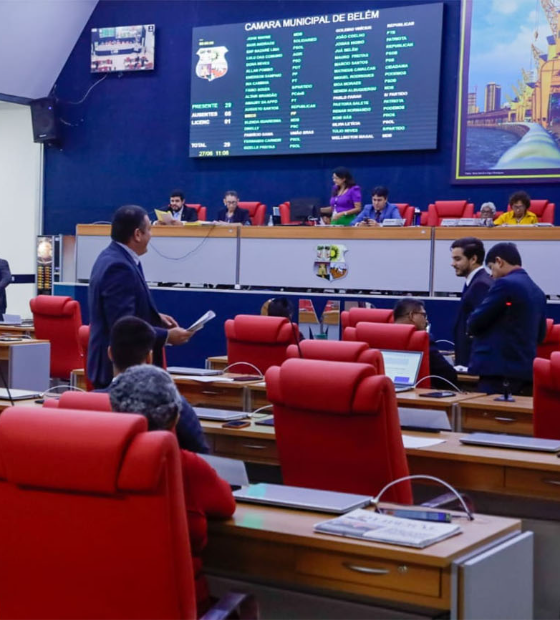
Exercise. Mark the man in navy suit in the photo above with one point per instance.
(507, 326)
(5, 279)
(117, 288)
(467, 258)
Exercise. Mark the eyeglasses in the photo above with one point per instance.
(422, 312)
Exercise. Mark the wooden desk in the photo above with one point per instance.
(28, 402)
(412, 398)
(484, 413)
(218, 394)
(17, 330)
(217, 362)
(515, 473)
(278, 546)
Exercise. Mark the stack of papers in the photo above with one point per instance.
(369, 525)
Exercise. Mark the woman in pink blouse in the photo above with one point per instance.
(346, 198)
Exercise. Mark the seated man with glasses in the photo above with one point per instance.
(411, 311)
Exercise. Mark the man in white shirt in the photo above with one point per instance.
(467, 258)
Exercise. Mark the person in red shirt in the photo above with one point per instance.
(150, 391)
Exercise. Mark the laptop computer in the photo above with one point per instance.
(18, 394)
(197, 372)
(232, 471)
(515, 442)
(218, 415)
(402, 368)
(300, 498)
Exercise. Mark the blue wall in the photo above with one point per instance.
(128, 141)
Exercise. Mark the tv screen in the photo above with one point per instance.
(357, 81)
(122, 48)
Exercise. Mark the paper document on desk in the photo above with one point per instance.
(462, 369)
(420, 442)
(369, 525)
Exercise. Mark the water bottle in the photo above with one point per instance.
(270, 220)
(416, 221)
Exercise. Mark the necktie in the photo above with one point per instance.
(141, 270)
(465, 287)
(377, 216)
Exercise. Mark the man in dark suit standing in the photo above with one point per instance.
(5, 279)
(507, 326)
(117, 288)
(467, 258)
(179, 210)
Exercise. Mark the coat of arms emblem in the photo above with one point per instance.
(212, 63)
(329, 262)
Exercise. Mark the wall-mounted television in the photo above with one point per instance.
(122, 48)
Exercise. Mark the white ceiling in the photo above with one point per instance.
(36, 39)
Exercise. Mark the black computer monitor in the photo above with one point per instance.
(303, 209)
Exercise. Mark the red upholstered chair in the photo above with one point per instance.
(407, 212)
(257, 212)
(442, 209)
(424, 218)
(543, 209)
(93, 521)
(337, 428)
(83, 335)
(259, 340)
(350, 318)
(88, 401)
(200, 210)
(58, 320)
(285, 213)
(338, 351)
(394, 337)
(546, 397)
(551, 340)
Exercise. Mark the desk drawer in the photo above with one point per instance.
(248, 448)
(381, 573)
(212, 396)
(497, 421)
(540, 483)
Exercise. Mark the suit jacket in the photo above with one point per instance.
(472, 297)
(188, 215)
(117, 288)
(507, 326)
(240, 216)
(5, 279)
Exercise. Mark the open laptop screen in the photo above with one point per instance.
(402, 366)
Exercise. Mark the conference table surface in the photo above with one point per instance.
(6, 344)
(517, 473)
(279, 545)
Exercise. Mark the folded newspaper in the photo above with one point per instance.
(369, 525)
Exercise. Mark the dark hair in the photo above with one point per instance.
(231, 192)
(346, 175)
(177, 193)
(520, 197)
(131, 340)
(471, 246)
(126, 220)
(380, 190)
(506, 251)
(281, 306)
(406, 305)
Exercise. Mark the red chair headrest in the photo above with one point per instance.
(538, 206)
(385, 335)
(261, 329)
(66, 449)
(451, 207)
(54, 305)
(372, 315)
(328, 350)
(317, 385)
(85, 401)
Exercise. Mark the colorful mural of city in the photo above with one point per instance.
(508, 106)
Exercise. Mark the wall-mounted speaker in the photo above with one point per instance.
(44, 120)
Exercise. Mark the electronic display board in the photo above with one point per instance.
(345, 82)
